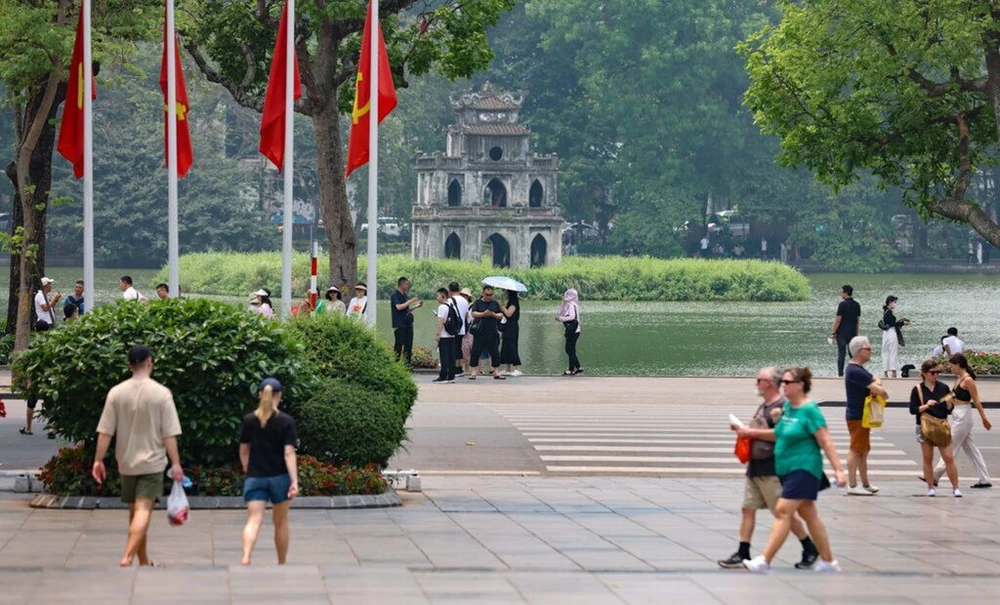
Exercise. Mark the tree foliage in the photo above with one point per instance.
(907, 90)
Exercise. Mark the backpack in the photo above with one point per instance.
(453, 323)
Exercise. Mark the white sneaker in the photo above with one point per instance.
(958, 493)
(757, 564)
(873, 489)
(823, 566)
(857, 490)
(931, 492)
(516, 373)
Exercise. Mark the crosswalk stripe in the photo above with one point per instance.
(839, 444)
(668, 470)
(694, 460)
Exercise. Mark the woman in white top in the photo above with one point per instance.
(260, 302)
(359, 304)
(892, 337)
(569, 317)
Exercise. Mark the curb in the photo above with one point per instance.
(389, 499)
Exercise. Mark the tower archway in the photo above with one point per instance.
(454, 193)
(539, 251)
(453, 247)
(501, 250)
(495, 194)
(535, 195)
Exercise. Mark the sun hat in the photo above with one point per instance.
(47, 280)
(466, 292)
(261, 292)
(270, 382)
(333, 289)
(361, 286)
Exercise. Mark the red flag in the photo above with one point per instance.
(71, 129)
(185, 156)
(358, 143)
(272, 125)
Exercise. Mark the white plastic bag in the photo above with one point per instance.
(177, 505)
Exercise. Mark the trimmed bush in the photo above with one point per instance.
(598, 278)
(357, 410)
(212, 356)
(344, 422)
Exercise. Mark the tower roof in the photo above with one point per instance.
(487, 98)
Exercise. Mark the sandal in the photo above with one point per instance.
(24, 431)
(578, 371)
(568, 373)
(499, 377)
(472, 376)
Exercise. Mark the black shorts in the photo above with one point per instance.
(800, 485)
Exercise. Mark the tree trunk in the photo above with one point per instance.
(39, 175)
(337, 223)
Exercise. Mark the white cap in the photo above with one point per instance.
(47, 280)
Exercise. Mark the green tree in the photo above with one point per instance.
(231, 41)
(36, 39)
(908, 90)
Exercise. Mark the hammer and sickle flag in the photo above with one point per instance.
(71, 128)
(358, 145)
(185, 155)
(272, 124)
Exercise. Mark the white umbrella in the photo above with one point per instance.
(505, 283)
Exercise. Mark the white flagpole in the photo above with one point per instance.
(372, 278)
(287, 164)
(173, 253)
(88, 162)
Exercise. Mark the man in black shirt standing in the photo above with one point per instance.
(486, 315)
(402, 319)
(847, 325)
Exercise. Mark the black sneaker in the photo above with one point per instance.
(982, 485)
(733, 562)
(439, 380)
(808, 558)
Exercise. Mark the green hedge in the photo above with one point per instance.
(597, 278)
(211, 355)
(357, 411)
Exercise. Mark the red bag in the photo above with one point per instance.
(742, 450)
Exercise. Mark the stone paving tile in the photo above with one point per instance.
(562, 587)
(655, 589)
(464, 586)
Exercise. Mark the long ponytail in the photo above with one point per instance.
(960, 360)
(267, 405)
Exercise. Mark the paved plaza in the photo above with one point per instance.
(541, 490)
(516, 540)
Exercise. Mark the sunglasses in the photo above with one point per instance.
(790, 381)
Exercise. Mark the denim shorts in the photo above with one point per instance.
(269, 489)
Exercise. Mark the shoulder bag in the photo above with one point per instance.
(935, 431)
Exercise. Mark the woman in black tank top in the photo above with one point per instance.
(966, 396)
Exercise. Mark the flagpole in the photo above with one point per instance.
(88, 162)
(287, 165)
(372, 278)
(173, 253)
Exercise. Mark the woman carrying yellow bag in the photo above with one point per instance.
(931, 403)
(873, 414)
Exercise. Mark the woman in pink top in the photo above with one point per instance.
(569, 317)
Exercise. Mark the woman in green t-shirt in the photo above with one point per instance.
(801, 437)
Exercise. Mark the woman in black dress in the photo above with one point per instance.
(509, 355)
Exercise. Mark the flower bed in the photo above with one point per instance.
(68, 474)
(983, 364)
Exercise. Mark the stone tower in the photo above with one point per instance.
(488, 194)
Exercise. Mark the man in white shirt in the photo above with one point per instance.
(704, 246)
(45, 317)
(445, 341)
(128, 292)
(952, 344)
(462, 304)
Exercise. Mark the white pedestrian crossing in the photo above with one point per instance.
(685, 441)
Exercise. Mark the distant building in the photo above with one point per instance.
(488, 194)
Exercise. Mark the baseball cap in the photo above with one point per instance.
(47, 280)
(270, 382)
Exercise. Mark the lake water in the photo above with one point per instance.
(710, 339)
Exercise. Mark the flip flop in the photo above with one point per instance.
(499, 377)
(24, 431)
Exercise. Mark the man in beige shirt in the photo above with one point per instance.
(141, 412)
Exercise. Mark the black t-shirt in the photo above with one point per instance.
(267, 444)
(940, 391)
(765, 466)
(398, 317)
(489, 323)
(849, 312)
